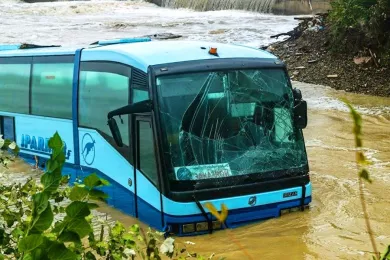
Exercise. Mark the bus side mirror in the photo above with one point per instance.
(140, 107)
(300, 114)
(115, 132)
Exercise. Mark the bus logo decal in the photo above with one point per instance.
(88, 145)
(252, 201)
(39, 144)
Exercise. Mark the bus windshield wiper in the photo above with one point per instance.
(209, 222)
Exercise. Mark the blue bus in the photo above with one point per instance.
(172, 125)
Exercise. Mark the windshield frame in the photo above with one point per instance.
(237, 185)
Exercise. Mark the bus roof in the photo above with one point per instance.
(144, 54)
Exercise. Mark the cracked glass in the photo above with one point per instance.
(222, 124)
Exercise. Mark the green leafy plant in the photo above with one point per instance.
(361, 26)
(364, 175)
(50, 220)
(7, 145)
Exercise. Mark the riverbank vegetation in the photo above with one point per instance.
(51, 220)
(347, 48)
(361, 27)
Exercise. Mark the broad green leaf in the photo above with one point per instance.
(51, 181)
(28, 257)
(93, 206)
(104, 182)
(55, 142)
(80, 226)
(54, 167)
(44, 220)
(60, 252)
(78, 209)
(92, 181)
(96, 194)
(37, 254)
(40, 200)
(78, 193)
(1, 257)
(68, 236)
(30, 242)
(59, 226)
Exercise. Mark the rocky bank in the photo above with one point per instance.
(310, 59)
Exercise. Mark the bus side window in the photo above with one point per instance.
(104, 87)
(139, 86)
(14, 84)
(51, 87)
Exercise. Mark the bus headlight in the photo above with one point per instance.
(200, 227)
(188, 228)
(217, 225)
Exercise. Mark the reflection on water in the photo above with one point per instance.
(334, 225)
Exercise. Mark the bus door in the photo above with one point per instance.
(103, 87)
(147, 180)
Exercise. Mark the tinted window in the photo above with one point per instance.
(14, 86)
(7, 126)
(52, 88)
(104, 87)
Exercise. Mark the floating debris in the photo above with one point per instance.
(163, 36)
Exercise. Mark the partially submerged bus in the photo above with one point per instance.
(172, 125)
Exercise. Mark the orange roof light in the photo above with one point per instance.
(213, 51)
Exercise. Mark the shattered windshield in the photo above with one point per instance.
(221, 124)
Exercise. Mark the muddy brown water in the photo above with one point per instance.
(333, 227)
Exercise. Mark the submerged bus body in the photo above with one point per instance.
(199, 122)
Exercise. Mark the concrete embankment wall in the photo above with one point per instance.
(286, 7)
(294, 7)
